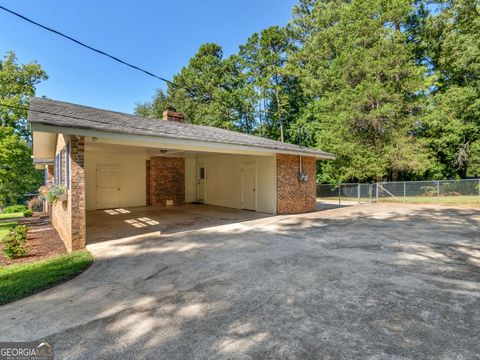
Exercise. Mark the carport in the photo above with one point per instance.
(104, 160)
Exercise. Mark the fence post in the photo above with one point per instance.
(404, 192)
(438, 191)
(377, 191)
(478, 187)
(358, 192)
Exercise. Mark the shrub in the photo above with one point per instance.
(14, 209)
(35, 204)
(15, 243)
(27, 213)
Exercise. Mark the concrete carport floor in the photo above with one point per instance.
(118, 223)
(370, 281)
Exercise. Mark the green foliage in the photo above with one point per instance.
(358, 67)
(391, 87)
(452, 113)
(17, 82)
(17, 172)
(51, 192)
(28, 213)
(14, 209)
(18, 281)
(15, 243)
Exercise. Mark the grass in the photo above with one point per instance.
(442, 200)
(18, 281)
(11, 216)
(5, 227)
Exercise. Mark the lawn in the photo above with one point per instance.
(18, 281)
(442, 200)
(4, 227)
(11, 216)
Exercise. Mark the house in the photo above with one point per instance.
(107, 159)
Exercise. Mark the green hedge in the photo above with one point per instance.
(14, 209)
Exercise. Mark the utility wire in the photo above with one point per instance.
(101, 52)
(88, 46)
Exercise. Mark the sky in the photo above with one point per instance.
(160, 36)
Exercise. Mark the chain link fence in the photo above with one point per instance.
(441, 192)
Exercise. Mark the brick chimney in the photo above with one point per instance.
(172, 115)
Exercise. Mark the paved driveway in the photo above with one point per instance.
(371, 281)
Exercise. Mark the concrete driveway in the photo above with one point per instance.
(370, 281)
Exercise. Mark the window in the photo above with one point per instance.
(55, 177)
(67, 166)
(60, 172)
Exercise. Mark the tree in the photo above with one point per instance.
(17, 83)
(205, 89)
(155, 108)
(275, 91)
(17, 172)
(452, 112)
(358, 69)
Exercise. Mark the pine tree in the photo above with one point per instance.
(357, 66)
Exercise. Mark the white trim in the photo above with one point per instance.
(158, 141)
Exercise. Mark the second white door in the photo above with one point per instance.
(108, 186)
(248, 186)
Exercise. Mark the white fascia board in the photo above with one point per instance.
(172, 143)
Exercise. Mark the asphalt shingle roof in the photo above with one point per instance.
(58, 113)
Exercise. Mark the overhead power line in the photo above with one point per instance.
(88, 46)
(101, 52)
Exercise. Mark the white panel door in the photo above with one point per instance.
(248, 186)
(108, 186)
(201, 177)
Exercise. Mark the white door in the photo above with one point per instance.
(201, 177)
(108, 186)
(248, 186)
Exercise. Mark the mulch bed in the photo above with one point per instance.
(43, 241)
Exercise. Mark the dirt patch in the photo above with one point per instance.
(43, 241)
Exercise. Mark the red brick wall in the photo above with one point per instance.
(77, 192)
(147, 179)
(295, 196)
(166, 177)
(68, 217)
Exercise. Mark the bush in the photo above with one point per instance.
(35, 204)
(14, 209)
(15, 243)
(27, 213)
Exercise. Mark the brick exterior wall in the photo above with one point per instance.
(295, 196)
(147, 179)
(68, 217)
(166, 181)
(77, 193)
